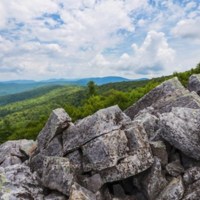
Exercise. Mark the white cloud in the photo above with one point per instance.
(49, 38)
(152, 56)
(188, 29)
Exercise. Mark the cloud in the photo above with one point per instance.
(152, 56)
(57, 38)
(187, 28)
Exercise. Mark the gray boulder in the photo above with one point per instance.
(54, 148)
(160, 151)
(174, 168)
(57, 174)
(80, 193)
(87, 129)
(194, 83)
(192, 192)
(148, 119)
(76, 160)
(17, 182)
(191, 175)
(105, 151)
(168, 88)
(16, 151)
(174, 190)
(155, 181)
(139, 156)
(93, 183)
(164, 97)
(180, 128)
(58, 121)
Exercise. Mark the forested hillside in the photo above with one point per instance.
(26, 114)
(19, 86)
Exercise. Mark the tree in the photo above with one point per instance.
(91, 88)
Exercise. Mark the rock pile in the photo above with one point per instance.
(151, 151)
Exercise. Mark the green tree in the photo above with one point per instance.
(91, 88)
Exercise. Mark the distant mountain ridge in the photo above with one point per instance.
(17, 86)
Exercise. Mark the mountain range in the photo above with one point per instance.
(17, 86)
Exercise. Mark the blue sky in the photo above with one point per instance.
(83, 38)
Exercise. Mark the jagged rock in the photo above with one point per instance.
(58, 121)
(164, 97)
(11, 160)
(87, 129)
(16, 152)
(180, 128)
(155, 181)
(194, 83)
(57, 174)
(191, 175)
(108, 156)
(149, 121)
(55, 196)
(174, 190)
(170, 87)
(175, 168)
(75, 159)
(36, 163)
(54, 148)
(192, 191)
(139, 156)
(105, 151)
(93, 183)
(17, 182)
(79, 193)
(159, 150)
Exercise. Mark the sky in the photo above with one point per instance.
(43, 39)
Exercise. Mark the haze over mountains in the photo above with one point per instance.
(16, 86)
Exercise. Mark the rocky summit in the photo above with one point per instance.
(151, 151)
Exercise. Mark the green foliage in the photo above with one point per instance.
(91, 88)
(25, 117)
(27, 95)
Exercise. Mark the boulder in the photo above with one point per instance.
(58, 121)
(76, 159)
(104, 151)
(192, 192)
(54, 148)
(164, 97)
(155, 181)
(91, 127)
(148, 119)
(17, 182)
(159, 150)
(139, 156)
(36, 163)
(16, 151)
(174, 190)
(174, 168)
(194, 83)
(57, 174)
(80, 193)
(11, 160)
(93, 183)
(191, 175)
(180, 128)
(168, 88)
